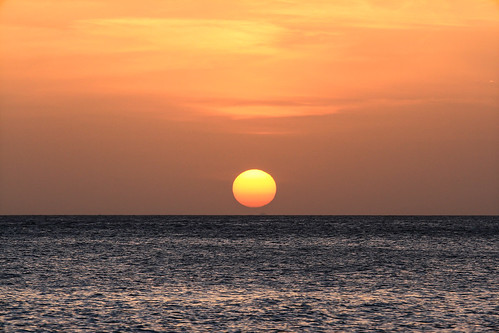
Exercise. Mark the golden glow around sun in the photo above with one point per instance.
(254, 188)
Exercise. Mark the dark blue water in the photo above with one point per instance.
(249, 273)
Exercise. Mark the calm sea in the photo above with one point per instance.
(248, 273)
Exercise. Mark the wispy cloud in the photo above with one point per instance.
(403, 14)
(234, 36)
(305, 106)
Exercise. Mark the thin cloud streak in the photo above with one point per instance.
(236, 36)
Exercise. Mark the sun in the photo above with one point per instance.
(254, 188)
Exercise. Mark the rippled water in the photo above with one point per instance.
(249, 273)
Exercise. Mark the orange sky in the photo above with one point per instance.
(154, 107)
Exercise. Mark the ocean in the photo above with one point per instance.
(249, 273)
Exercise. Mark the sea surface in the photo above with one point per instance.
(249, 273)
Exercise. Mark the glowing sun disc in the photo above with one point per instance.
(254, 188)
